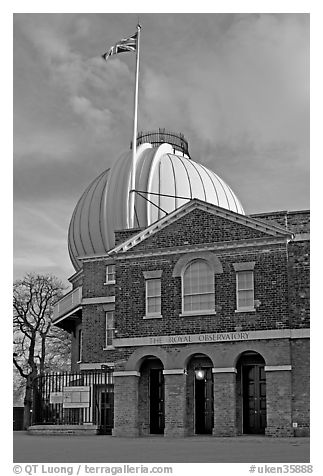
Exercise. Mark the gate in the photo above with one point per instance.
(74, 398)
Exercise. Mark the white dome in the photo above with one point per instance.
(104, 206)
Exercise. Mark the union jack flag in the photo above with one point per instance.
(126, 44)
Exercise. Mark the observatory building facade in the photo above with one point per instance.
(198, 318)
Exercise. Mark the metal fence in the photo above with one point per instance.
(74, 398)
(177, 140)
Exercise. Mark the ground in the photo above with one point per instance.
(107, 449)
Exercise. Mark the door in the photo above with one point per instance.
(156, 393)
(106, 412)
(254, 399)
(204, 403)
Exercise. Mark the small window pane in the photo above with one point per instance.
(153, 296)
(109, 327)
(110, 273)
(245, 289)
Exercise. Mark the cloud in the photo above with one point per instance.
(41, 226)
(237, 86)
(251, 86)
(93, 89)
(98, 120)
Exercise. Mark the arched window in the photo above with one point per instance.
(198, 287)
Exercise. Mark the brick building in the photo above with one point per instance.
(200, 314)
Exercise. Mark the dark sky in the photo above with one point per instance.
(236, 85)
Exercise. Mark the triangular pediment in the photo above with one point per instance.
(198, 221)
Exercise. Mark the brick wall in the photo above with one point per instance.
(296, 222)
(300, 354)
(271, 289)
(281, 286)
(299, 283)
(94, 273)
(123, 235)
(198, 227)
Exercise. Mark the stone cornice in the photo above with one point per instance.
(221, 246)
(99, 300)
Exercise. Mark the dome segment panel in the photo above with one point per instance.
(116, 199)
(229, 199)
(155, 184)
(85, 235)
(183, 186)
(91, 231)
(167, 185)
(196, 185)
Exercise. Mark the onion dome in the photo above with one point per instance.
(166, 178)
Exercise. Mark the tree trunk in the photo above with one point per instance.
(28, 401)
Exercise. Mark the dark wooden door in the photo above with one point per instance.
(254, 399)
(156, 392)
(106, 413)
(204, 403)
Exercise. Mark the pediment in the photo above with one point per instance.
(200, 222)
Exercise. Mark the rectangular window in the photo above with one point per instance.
(245, 290)
(153, 297)
(110, 275)
(80, 345)
(109, 328)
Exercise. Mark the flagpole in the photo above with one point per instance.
(134, 138)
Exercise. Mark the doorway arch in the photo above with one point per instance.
(151, 407)
(199, 395)
(251, 393)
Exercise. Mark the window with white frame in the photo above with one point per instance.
(198, 287)
(152, 293)
(110, 274)
(245, 294)
(153, 297)
(109, 328)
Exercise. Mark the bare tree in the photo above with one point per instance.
(38, 345)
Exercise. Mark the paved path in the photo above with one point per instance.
(202, 449)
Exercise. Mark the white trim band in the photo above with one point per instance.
(174, 372)
(222, 370)
(98, 300)
(126, 373)
(216, 337)
(276, 368)
(96, 366)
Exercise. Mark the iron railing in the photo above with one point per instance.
(74, 398)
(156, 138)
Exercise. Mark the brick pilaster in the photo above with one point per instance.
(279, 401)
(126, 404)
(175, 403)
(224, 384)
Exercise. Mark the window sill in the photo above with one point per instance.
(79, 362)
(247, 309)
(109, 282)
(153, 316)
(197, 313)
(109, 347)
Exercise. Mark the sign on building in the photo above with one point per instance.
(76, 397)
(56, 397)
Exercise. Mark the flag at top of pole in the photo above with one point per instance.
(130, 44)
(124, 45)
